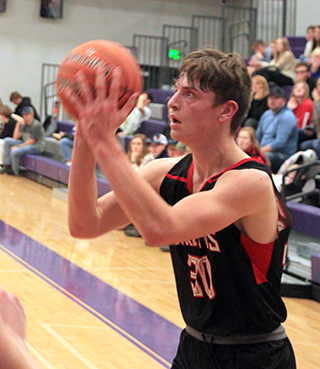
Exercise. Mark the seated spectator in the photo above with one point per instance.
(303, 75)
(281, 69)
(138, 152)
(302, 108)
(259, 103)
(277, 131)
(171, 147)
(315, 63)
(139, 114)
(316, 39)
(181, 149)
(158, 149)
(262, 52)
(9, 120)
(247, 141)
(66, 140)
(158, 146)
(21, 102)
(28, 138)
(309, 44)
(314, 144)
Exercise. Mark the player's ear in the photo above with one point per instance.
(228, 110)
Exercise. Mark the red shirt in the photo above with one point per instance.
(304, 113)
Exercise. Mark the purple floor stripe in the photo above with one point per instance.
(149, 328)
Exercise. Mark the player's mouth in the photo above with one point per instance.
(173, 119)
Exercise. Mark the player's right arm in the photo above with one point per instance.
(88, 215)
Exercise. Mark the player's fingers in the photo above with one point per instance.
(130, 104)
(69, 95)
(83, 89)
(100, 84)
(114, 89)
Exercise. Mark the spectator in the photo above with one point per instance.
(21, 102)
(277, 131)
(138, 152)
(66, 140)
(316, 38)
(247, 141)
(262, 52)
(158, 146)
(281, 69)
(259, 103)
(315, 63)
(181, 149)
(309, 44)
(139, 114)
(28, 138)
(303, 75)
(171, 148)
(302, 107)
(315, 143)
(9, 120)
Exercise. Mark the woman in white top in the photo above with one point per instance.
(281, 69)
(138, 152)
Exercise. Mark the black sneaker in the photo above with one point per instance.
(165, 248)
(9, 170)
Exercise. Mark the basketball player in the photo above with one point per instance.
(216, 206)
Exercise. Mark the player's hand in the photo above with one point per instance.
(98, 110)
(12, 316)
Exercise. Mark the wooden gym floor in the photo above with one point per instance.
(104, 303)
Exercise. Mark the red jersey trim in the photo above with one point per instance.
(176, 178)
(260, 255)
(215, 177)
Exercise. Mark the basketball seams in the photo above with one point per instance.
(87, 57)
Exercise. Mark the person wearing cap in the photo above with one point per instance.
(28, 138)
(21, 102)
(158, 146)
(171, 148)
(277, 130)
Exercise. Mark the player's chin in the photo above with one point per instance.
(175, 127)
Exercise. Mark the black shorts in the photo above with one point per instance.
(195, 354)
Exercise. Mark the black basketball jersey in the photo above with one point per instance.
(227, 283)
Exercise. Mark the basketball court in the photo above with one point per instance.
(104, 303)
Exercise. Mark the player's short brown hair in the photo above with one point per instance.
(225, 74)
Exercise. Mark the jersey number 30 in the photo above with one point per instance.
(200, 275)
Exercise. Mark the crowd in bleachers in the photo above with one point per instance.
(285, 89)
(285, 107)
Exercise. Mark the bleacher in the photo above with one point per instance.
(49, 169)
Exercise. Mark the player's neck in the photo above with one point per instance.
(213, 159)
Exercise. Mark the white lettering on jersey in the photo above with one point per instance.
(210, 242)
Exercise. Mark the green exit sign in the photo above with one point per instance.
(174, 54)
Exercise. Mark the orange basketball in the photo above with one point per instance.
(87, 57)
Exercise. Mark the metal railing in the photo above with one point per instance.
(233, 28)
